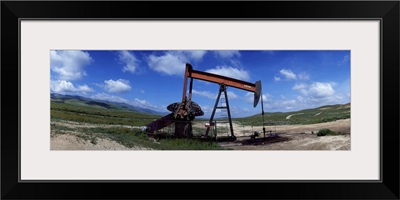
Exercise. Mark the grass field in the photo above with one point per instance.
(92, 121)
(76, 111)
(308, 116)
(132, 138)
(72, 111)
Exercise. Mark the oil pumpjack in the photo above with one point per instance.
(183, 113)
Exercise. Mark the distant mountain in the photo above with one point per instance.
(64, 96)
(138, 109)
(79, 100)
(307, 116)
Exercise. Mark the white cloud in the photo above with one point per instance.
(290, 104)
(320, 90)
(333, 84)
(168, 63)
(144, 104)
(299, 86)
(230, 72)
(62, 87)
(240, 111)
(139, 101)
(231, 95)
(236, 111)
(311, 96)
(207, 94)
(189, 55)
(316, 94)
(304, 91)
(300, 98)
(303, 76)
(135, 102)
(129, 60)
(227, 53)
(249, 97)
(173, 62)
(69, 65)
(196, 54)
(84, 88)
(118, 86)
(288, 74)
(346, 59)
(206, 109)
(266, 97)
(333, 99)
(107, 97)
(235, 63)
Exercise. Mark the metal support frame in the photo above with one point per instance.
(222, 89)
(183, 110)
(262, 113)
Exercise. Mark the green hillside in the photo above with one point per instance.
(308, 116)
(103, 113)
(80, 109)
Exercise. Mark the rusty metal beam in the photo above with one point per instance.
(243, 85)
(221, 80)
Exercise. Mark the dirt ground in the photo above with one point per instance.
(297, 137)
(304, 137)
(70, 140)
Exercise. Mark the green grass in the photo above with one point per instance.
(72, 110)
(77, 112)
(308, 116)
(133, 137)
(60, 129)
(326, 131)
(94, 115)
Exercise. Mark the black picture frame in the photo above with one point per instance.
(386, 11)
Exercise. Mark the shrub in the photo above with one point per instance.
(325, 131)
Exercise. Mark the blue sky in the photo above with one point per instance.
(291, 80)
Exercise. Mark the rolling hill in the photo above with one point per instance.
(95, 103)
(308, 116)
(77, 108)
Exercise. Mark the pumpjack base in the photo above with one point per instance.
(218, 139)
(264, 140)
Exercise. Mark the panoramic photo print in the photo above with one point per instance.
(109, 100)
